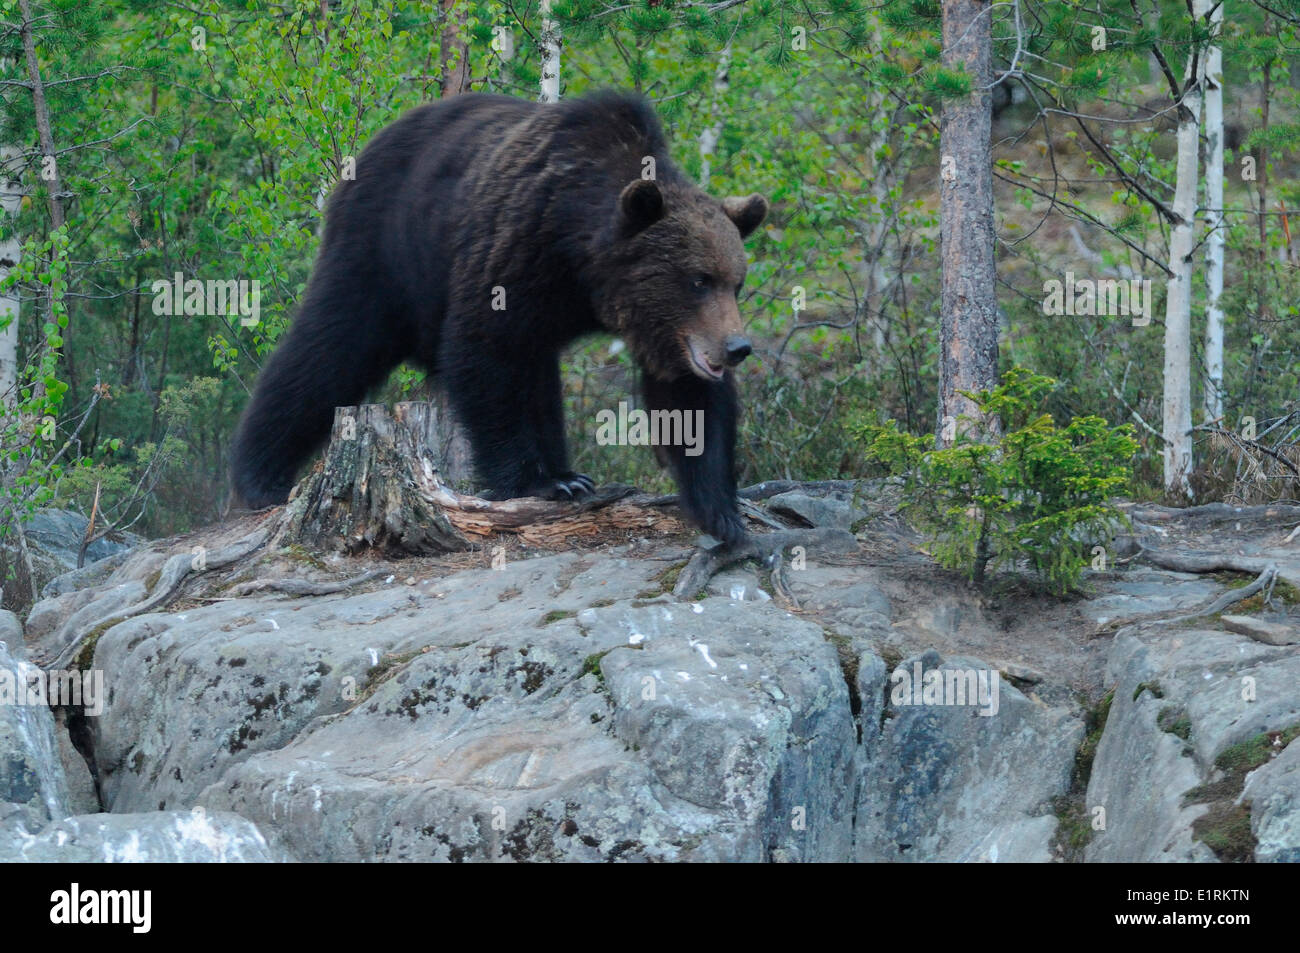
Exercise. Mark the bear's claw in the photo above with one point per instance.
(567, 487)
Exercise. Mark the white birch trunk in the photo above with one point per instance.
(1177, 422)
(550, 43)
(1214, 247)
(713, 131)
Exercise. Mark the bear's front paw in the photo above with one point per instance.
(567, 486)
(725, 526)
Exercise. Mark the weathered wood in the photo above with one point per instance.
(374, 488)
(380, 486)
(452, 447)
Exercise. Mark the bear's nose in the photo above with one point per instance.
(738, 348)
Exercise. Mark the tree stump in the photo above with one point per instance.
(451, 447)
(375, 486)
(381, 486)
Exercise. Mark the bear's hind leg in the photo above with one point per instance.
(510, 407)
(550, 429)
(339, 346)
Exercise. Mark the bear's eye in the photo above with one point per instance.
(701, 282)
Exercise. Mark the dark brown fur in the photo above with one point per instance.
(461, 200)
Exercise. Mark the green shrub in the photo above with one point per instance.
(1013, 488)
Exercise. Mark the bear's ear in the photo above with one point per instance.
(747, 212)
(640, 205)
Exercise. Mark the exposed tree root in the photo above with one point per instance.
(769, 488)
(173, 573)
(378, 489)
(301, 587)
(1199, 563)
(706, 563)
(1265, 578)
(1212, 511)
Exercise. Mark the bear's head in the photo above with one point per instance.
(680, 267)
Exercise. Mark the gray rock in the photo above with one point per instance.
(92, 574)
(566, 708)
(82, 796)
(1181, 699)
(31, 776)
(943, 782)
(58, 534)
(1261, 630)
(11, 632)
(53, 540)
(1273, 791)
(835, 509)
(739, 585)
(186, 837)
(665, 732)
(55, 623)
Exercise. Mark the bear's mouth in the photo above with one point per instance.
(704, 367)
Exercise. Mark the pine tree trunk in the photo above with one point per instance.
(968, 299)
(876, 229)
(11, 194)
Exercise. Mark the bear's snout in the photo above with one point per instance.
(738, 348)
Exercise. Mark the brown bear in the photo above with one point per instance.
(481, 235)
